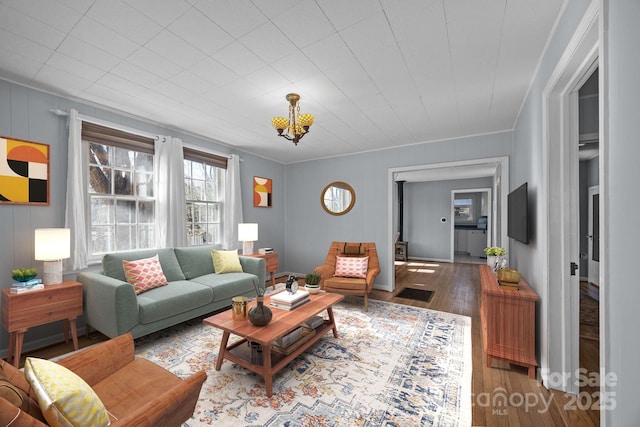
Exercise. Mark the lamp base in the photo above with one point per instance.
(52, 272)
(247, 248)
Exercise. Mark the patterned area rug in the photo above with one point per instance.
(393, 366)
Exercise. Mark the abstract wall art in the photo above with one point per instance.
(262, 192)
(24, 172)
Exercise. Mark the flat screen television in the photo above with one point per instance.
(518, 214)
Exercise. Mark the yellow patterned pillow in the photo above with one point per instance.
(226, 261)
(64, 398)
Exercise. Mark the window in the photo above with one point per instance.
(204, 180)
(120, 190)
(463, 209)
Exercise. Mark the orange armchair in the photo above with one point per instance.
(349, 285)
(135, 392)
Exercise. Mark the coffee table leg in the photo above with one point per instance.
(266, 368)
(223, 349)
(333, 321)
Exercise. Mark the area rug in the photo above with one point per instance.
(416, 294)
(393, 366)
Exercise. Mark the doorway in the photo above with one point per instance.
(471, 225)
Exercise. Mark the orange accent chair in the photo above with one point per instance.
(349, 285)
(135, 392)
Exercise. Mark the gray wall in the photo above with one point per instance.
(425, 204)
(619, 295)
(310, 230)
(24, 114)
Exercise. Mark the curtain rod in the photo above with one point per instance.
(62, 113)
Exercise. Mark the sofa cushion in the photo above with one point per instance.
(196, 260)
(175, 298)
(112, 263)
(226, 261)
(64, 398)
(352, 266)
(227, 286)
(144, 274)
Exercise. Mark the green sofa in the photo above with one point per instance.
(112, 307)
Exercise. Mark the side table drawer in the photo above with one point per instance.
(40, 307)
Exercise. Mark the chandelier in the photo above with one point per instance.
(297, 125)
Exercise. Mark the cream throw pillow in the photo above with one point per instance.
(226, 261)
(64, 398)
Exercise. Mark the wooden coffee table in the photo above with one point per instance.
(282, 323)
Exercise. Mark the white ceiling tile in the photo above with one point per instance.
(51, 12)
(24, 47)
(200, 31)
(153, 63)
(136, 74)
(268, 80)
(295, 67)
(23, 25)
(192, 82)
(343, 14)
(17, 67)
(268, 43)
(304, 24)
(174, 49)
(96, 34)
(53, 77)
(87, 53)
(164, 12)
(237, 17)
(239, 59)
(75, 67)
(121, 85)
(214, 72)
(124, 20)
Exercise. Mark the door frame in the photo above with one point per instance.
(560, 244)
(500, 185)
(489, 230)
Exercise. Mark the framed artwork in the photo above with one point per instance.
(262, 192)
(24, 172)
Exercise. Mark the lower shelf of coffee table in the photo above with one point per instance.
(240, 352)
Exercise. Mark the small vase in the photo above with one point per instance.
(260, 314)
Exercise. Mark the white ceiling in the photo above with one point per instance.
(375, 74)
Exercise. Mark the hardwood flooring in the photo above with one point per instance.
(502, 395)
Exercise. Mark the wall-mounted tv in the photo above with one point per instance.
(518, 214)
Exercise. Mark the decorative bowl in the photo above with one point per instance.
(25, 278)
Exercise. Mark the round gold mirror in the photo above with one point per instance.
(338, 198)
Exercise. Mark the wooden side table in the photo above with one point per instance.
(23, 311)
(272, 264)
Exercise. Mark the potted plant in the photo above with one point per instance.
(495, 257)
(312, 282)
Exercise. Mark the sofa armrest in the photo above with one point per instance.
(97, 362)
(168, 408)
(257, 266)
(111, 305)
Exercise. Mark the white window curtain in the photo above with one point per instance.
(76, 194)
(232, 215)
(171, 222)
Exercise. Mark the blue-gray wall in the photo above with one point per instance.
(24, 114)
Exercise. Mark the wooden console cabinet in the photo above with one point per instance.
(508, 322)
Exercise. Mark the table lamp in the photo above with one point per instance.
(247, 234)
(52, 245)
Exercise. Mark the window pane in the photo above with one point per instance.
(197, 170)
(144, 184)
(146, 236)
(123, 158)
(203, 208)
(122, 183)
(198, 190)
(126, 212)
(187, 168)
(102, 211)
(125, 237)
(144, 162)
(213, 212)
(98, 154)
(99, 180)
(101, 239)
(200, 212)
(146, 212)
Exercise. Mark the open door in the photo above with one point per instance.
(594, 235)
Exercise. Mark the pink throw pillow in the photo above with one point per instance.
(144, 274)
(352, 267)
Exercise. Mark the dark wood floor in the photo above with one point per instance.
(456, 289)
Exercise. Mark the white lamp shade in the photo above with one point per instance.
(52, 244)
(248, 232)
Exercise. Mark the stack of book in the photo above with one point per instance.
(264, 251)
(288, 301)
(508, 285)
(28, 286)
